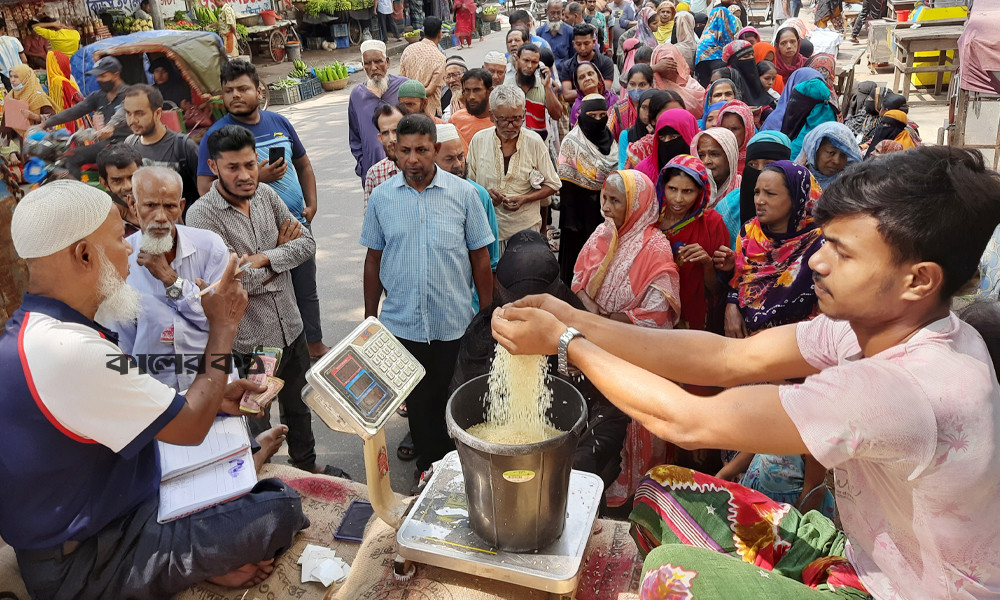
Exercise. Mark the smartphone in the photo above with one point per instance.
(274, 154)
(352, 527)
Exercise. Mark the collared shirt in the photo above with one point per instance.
(10, 49)
(380, 172)
(425, 239)
(425, 63)
(66, 41)
(486, 167)
(561, 43)
(168, 326)
(362, 133)
(77, 434)
(272, 316)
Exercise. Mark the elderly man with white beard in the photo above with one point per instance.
(80, 470)
(169, 258)
(381, 88)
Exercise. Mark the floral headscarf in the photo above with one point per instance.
(827, 65)
(772, 280)
(741, 110)
(643, 32)
(730, 146)
(842, 139)
(697, 170)
(721, 29)
(631, 259)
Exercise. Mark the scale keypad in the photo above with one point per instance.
(387, 357)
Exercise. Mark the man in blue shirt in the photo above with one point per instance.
(291, 177)
(427, 237)
(80, 470)
(559, 35)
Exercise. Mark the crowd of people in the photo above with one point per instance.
(651, 193)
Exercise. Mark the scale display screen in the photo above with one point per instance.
(356, 382)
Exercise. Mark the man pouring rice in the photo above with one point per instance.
(79, 463)
(900, 398)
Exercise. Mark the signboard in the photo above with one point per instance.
(167, 7)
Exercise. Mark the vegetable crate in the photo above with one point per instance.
(284, 96)
(309, 88)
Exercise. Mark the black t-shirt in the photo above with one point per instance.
(174, 151)
(567, 68)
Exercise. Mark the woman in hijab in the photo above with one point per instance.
(671, 72)
(737, 117)
(718, 149)
(26, 88)
(666, 13)
(630, 50)
(739, 56)
(622, 115)
(587, 81)
(765, 52)
(827, 150)
(647, 21)
(642, 126)
(748, 34)
(528, 267)
(804, 104)
(737, 207)
(63, 90)
(626, 272)
(893, 125)
(721, 29)
(587, 155)
(700, 24)
(768, 77)
(675, 129)
(788, 59)
(695, 233)
(720, 90)
(772, 282)
(879, 101)
(708, 120)
(637, 151)
(827, 65)
(169, 81)
(684, 38)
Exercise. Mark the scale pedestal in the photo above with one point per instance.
(436, 532)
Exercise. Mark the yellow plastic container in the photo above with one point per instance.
(932, 14)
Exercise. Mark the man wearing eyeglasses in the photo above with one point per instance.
(513, 164)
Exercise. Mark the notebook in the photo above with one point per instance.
(219, 469)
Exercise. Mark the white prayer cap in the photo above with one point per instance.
(446, 132)
(373, 45)
(495, 58)
(56, 215)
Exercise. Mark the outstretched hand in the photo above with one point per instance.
(234, 392)
(527, 330)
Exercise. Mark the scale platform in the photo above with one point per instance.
(436, 532)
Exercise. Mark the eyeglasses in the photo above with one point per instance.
(510, 120)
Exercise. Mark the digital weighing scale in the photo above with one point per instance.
(355, 388)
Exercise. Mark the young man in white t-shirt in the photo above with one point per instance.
(900, 398)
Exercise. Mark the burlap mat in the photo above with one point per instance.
(610, 572)
(611, 569)
(324, 500)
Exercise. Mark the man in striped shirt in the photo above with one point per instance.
(386, 119)
(539, 95)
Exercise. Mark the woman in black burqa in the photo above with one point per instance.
(528, 267)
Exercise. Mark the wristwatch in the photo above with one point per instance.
(564, 367)
(175, 289)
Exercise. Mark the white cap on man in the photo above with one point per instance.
(373, 45)
(56, 215)
(495, 58)
(446, 132)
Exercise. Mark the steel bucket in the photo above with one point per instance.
(516, 494)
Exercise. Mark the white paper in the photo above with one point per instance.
(322, 565)
(227, 437)
(208, 486)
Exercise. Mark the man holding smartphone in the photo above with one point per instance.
(283, 165)
(535, 80)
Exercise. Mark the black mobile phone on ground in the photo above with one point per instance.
(352, 527)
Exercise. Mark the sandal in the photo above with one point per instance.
(406, 451)
(401, 411)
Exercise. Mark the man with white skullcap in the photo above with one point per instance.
(496, 63)
(451, 157)
(80, 469)
(381, 88)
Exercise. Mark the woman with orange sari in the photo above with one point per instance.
(626, 272)
(63, 91)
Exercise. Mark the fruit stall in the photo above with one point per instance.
(304, 82)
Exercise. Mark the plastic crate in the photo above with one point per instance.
(343, 41)
(495, 26)
(288, 95)
(309, 88)
(338, 30)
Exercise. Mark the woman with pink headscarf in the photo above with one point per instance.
(675, 131)
(737, 117)
(671, 72)
(718, 149)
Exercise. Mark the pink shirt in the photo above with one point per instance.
(912, 434)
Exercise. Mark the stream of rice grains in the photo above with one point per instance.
(517, 401)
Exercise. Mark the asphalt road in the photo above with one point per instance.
(321, 123)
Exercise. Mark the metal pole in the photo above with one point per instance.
(154, 11)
